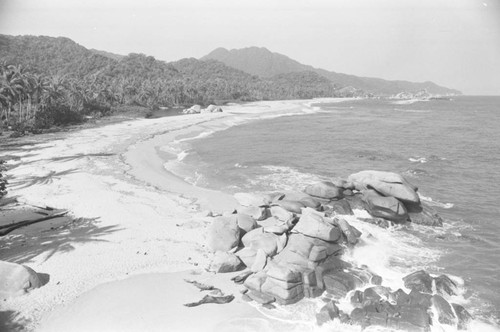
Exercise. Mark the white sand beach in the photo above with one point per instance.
(137, 218)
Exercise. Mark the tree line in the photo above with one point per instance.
(48, 81)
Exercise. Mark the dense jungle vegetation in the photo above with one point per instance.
(46, 81)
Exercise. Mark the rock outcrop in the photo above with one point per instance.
(292, 244)
(16, 279)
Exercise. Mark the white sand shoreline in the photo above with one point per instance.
(146, 218)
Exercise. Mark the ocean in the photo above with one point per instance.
(450, 149)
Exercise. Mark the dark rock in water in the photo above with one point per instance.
(357, 299)
(358, 317)
(376, 280)
(427, 217)
(292, 206)
(350, 233)
(224, 233)
(380, 222)
(385, 207)
(464, 317)
(324, 189)
(445, 286)
(339, 283)
(401, 297)
(413, 319)
(444, 310)
(341, 206)
(332, 263)
(418, 299)
(327, 313)
(378, 312)
(386, 183)
(377, 318)
(419, 280)
(371, 294)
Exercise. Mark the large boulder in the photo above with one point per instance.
(310, 248)
(258, 239)
(16, 279)
(339, 283)
(384, 207)
(386, 183)
(419, 280)
(327, 313)
(224, 262)
(245, 222)
(463, 316)
(325, 190)
(444, 310)
(291, 205)
(224, 233)
(445, 286)
(341, 207)
(313, 224)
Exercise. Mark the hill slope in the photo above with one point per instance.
(138, 79)
(264, 63)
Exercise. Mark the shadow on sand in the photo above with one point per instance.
(22, 246)
(10, 321)
(45, 179)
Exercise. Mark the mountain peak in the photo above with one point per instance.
(256, 61)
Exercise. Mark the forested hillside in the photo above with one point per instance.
(46, 81)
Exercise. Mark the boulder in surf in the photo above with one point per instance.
(325, 190)
(386, 183)
(384, 207)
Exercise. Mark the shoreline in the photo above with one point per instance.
(127, 216)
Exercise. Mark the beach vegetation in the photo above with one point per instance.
(47, 82)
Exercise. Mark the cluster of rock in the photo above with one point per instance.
(390, 196)
(413, 311)
(16, 279)
(289, 245)
(197, 109)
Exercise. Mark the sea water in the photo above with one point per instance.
(450, 149)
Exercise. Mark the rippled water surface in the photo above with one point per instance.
(449, 149)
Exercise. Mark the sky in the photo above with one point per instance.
(454, 43)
